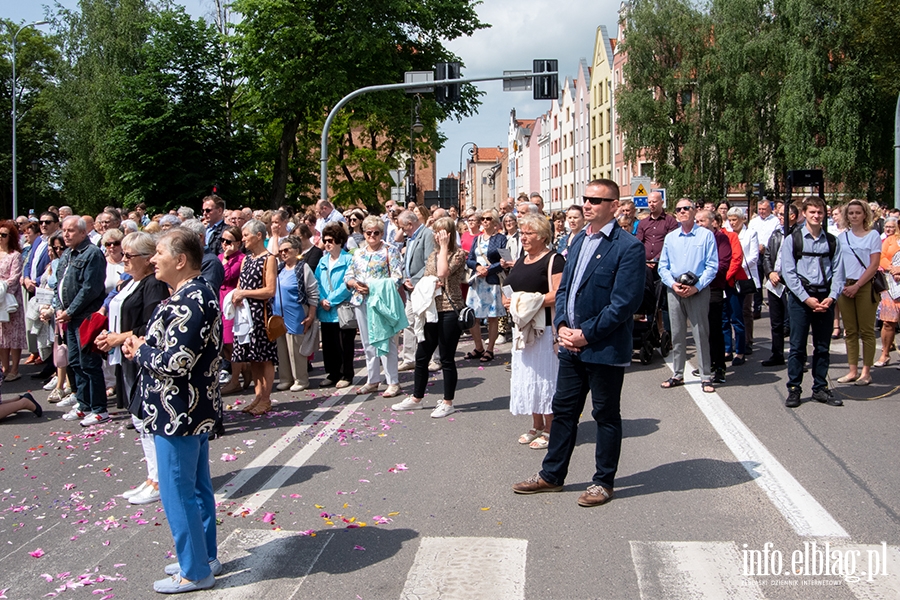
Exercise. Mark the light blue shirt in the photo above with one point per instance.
(694, 251)
(816, 270)
(588, 247)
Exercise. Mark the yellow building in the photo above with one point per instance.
(602, 122)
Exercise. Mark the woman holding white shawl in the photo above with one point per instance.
(534, 280)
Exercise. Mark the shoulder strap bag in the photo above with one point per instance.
(275, 327)
(345, 312)
(879, 283)
(464, 316)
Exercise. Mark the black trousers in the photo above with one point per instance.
(443, 335)
(337, 351)
(778, 318)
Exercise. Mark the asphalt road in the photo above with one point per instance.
(334, 497)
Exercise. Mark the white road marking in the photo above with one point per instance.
(233, 485)
(265, 564)
(802, 511)
(275, 482)
(878, 570)
(467, 568)
(692, 571)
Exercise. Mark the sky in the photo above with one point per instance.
(521, 30)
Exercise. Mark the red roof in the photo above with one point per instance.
(487, 154)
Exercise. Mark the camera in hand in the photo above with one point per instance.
(688, 279)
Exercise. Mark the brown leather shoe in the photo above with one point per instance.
(595, 496)
(535, 485)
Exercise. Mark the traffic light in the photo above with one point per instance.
(447, 94)
(546, 87)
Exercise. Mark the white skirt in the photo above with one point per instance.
(533, 380)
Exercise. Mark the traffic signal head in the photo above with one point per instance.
(546, 87)
(446, 94)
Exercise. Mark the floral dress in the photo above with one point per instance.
(260, 349)
(484, 298)
(12, 333)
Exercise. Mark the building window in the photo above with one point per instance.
(646, 169)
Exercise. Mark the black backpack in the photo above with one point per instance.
(797, 237)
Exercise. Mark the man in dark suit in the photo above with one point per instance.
(214, 219)
(602, 286)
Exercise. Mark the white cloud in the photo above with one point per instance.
(522, 30)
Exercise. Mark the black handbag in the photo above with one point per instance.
(465, 317)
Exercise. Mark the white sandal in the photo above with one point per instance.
(530, 436)
(541, 442)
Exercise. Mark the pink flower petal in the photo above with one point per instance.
(37, 553)
(358, 548)
(268, 517)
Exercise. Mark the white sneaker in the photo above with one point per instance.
(69, 400)
(434, 366)
(136, 490)
(298, 387)
(283, 386)
(342, 384)
(442, 410)
(95, 419)
(146, 496)
(408, 403)
(55, 396)
(407, 366)
(73, 415)
(501, 339)
(51, 384)
(392, 390)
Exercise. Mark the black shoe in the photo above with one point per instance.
(729, 357)
(774, 361)
(46, 373)
(129, 425)
(719, 376)
(757, 314)
(738, 361)
(793, 399)
(826, 396)
(696, 372)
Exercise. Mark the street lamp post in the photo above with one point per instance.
(415, 127)
(15, 193)
(472, 150)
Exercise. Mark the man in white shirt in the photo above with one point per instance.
(326, 214)
(764, 223)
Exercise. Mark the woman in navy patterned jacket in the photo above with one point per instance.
(179, 360)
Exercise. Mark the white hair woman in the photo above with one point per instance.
(750, 262)
(376, 261)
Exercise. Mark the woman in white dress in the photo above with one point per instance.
(534, 360)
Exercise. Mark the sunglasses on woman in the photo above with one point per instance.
(111, 244)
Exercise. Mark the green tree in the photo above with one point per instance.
(37, 62)
(169, 142)
(301, 56)
(100, 44)
(666, 42)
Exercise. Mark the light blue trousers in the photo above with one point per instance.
(185, 487)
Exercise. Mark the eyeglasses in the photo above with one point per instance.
(111, 244)
(374, 233)
(353, 219)
(4, 235)
(283, 250)
(594, 200)
(487, 218)
(131, 256)
(207, 210)
(683, 208)
(327, 241)
(48, 222)
(58, 248)
(227, 242)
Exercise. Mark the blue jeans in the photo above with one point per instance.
(573, 382)
(87, 366)
(802, 320)
(185, 488)
(733, 318)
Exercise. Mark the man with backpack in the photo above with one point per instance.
(811, 271)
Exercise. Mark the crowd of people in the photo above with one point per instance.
(169, 313)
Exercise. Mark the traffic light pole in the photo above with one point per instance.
(421, 86)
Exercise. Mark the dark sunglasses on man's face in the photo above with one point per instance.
(207, 210)
(47, 222)
(683, 208)
(593, 200)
